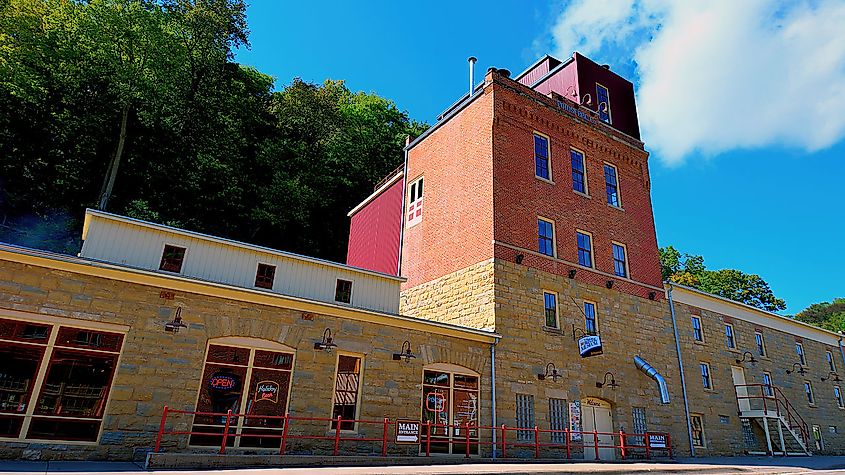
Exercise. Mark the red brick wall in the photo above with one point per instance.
(519, 197)
(457, 224)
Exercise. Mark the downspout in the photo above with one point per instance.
(404, 200)
(681, 367)
(493, 392)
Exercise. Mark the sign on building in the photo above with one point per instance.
(657, 441)
(589, 345)
(575, 421)
(407, 432)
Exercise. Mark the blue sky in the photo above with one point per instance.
(746, 157)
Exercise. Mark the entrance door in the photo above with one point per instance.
(449, 403)
(738, 374)
(596, 416)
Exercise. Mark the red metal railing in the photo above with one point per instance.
(771, 398)
(553, 442)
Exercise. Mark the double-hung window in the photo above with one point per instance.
(579, 171)
(265, 275)
(542, 163)
(585, 248)
(415, 202)
(620, 260)
(799, 350)
(761, 344)
(546, 236)
(706, 381)
(550, 306)
(172, 258)
(808, 389)
(611, 184)
(837, 394)
(590, 324)
(730, 340)
(767, 384)
(697, 332)
(697, 426)
(603, 99)
(830, 363)
(346, 392)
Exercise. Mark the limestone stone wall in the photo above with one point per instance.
(158, 368)
(462, 298)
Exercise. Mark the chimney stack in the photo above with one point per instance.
(472, 61)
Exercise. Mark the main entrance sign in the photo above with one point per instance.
(407, 432)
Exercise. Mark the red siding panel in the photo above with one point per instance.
(374, 232)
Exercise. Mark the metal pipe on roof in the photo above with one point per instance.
(472, 60)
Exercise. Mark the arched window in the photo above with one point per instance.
(450, 400)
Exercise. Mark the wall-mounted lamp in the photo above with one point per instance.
(404, 353)
(326, 344)
(176, 324)
(612, 384)
(609, 284)
(652, 295)
(519, 258)
(551, 372)
(800, 370)
(836, 378)
(572, 273)
(747, 356)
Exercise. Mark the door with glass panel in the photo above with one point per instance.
(449, 402)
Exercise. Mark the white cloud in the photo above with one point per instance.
(719, 75)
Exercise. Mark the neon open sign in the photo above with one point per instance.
(223, 382)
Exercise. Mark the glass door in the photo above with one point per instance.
(450, 401)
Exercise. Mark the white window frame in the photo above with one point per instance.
(414, 201)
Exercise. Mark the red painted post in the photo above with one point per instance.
(285, 434)
(225, 432)
(536, 442)
(384, 438)
(161, 430)
(504, 444)
(596, 441)
(428, 439)
(669, 444)
(647, 446)
(568, 436)
(337, 436)
(467, 438)
(622, 443)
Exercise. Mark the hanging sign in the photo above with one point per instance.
(589, 345)
(657, 441)
(407, 432)
(575, 421)
(267, 391)
(223, 382)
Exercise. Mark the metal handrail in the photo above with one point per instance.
(793, 418)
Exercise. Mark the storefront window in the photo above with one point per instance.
(251, 382)
(450, 402)
(347, 386)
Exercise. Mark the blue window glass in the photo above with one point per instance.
(590, 326)
(541, 157)
(603, 103)
(620, 267)
(705, 376)
(546, 237)
(585, 250)
(579, 182)
(611, 185)
(550, 302)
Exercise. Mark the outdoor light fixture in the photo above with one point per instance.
(404, 353)
(326, 344)
(800, 370)
(612, 384)
(176, 324)
(609, 284)
(551, 372)
(836, 377)
(519, 258)
(749, 357)
(572, 273)
(652, 295)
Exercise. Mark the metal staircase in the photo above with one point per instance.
(785, 431)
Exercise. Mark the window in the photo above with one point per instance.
(837, 394)
(697, 423)
(243, 379)
(542, 164)
(590, 323)
(799, 350)
(730, 342)
(546, 236)
(767, 384)
(640, 426)
(450, 397)
(620, 260)
(808, 390)
(264, 276)
(579, 171)
(550, 305)
(415, 202)
(558, 410)
(172, 258)
(697, 333)
(585, 248)
(603, 100)
(343, 291)
(761, 344)
(705, 376)
(830, 362)
(68, 402)
(525, 417)
(611, 185)
(346, 392)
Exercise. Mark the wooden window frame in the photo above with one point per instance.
(585, 173)
(799, 350)
(703, 438)
(591, 250)
(618, 185)
(768, 386)
(595, 317)
(554, 236)
(760, 344)
(624, 261)
(706, 376)
(259, 276)
(831, 362)
(351, 291)
(556, 309)
(837, 395)
(695, 337)
(598, 103)
(358, 397)
(809, 393)
(730, 338)
(164, 247)
(534, 135)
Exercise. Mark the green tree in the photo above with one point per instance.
(689, 270)
(828, 315)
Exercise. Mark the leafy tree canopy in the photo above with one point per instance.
(137, 107)
(689, 270)
(828, 315)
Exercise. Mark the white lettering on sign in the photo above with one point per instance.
(657, 441)
(407, 432)
(589, 345)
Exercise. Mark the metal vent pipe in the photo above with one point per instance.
(472, 60)
(653, 374)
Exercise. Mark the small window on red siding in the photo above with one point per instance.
(265, 275)
(172, 258)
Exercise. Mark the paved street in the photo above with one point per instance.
(750, 465)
